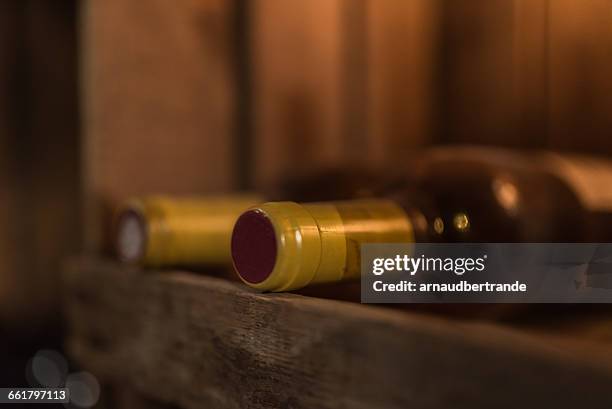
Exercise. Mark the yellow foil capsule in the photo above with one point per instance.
(282, 246)
(168, 231)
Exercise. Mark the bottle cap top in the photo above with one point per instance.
(276, 246)
(254, 247)
(131, 236)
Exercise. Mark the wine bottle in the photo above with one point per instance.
(452, 194)
(496, 195)
(158, 231)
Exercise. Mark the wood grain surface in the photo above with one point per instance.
(199, 342)
(580, 38)
(158, 103)
(39, 158)
(297, 94)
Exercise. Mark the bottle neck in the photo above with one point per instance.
(281, 246)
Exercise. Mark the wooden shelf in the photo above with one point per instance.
(200, 342)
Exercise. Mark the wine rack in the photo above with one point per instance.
(179, 339)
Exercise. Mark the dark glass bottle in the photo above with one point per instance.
(494, 195)
(452, 194)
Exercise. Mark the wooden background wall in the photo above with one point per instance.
(222, 94)
(39, 158)
(203, 96)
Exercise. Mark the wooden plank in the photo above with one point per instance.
(10, 187)
(50, 154)
(580, 80)
(158, 82)
(340, 82)
(297, 86)
(39, 156)
(402, 56)
(530, 71)
(492, 71)
(196, 341)
(475, 72)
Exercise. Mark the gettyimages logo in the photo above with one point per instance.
(49, 369)
(487, 272)
(413, 265)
